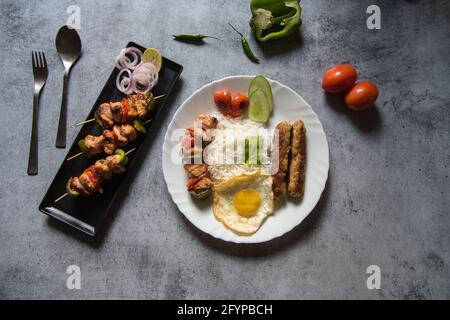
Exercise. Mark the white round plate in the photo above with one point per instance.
(288, 105)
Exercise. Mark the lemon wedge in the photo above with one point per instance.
(154, 56)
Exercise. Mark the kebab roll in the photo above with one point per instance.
(284, 146)
(297, 160)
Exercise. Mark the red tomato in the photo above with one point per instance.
(361, 96)
(222, 99)
(339, 78)
(239, 105)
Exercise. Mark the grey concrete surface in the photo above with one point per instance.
(387, 198)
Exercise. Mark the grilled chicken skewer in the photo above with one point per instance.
(91, 180)
(116, 137)
(133, 107)
(199, 183)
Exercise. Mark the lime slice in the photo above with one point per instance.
(260, 82)
(154, 56)
(259, 108)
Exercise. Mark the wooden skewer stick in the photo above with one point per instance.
(93, 119)
(130, 151)
(66, 194)
(74, 156)
(84, 122)
(62, 197)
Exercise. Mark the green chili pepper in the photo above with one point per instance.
(192, 37)
(275, 19)
(246, 46)
(151, 103)
(83, 147)
(69, 190)
(139, 126)
(123, 156)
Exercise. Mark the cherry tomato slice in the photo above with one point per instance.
(339, 78)
(239, 105)
(362, 95)
(222, 99)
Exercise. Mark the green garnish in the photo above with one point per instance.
(258, 141)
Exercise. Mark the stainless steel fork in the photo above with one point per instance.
(40, 73)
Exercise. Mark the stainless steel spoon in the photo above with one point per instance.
(68, 45)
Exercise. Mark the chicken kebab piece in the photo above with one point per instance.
(91, 180)
(199, 183)
(136, 106)
(111, 139)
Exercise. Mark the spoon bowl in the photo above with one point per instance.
(68, 45)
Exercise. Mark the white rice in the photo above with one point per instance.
(222, 153)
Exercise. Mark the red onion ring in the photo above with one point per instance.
(123, 60)
(146, 74)
(139, 87)
(142, 78)
(124, 84)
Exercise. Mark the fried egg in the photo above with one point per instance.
(243, 203)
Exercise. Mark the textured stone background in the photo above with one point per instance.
(386, 201)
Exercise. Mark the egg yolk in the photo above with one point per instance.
(246, 202)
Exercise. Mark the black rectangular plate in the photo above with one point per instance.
(88, 213)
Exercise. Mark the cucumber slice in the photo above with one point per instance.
(260, 82)
(259, 109)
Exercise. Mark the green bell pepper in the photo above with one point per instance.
(99, 121)
(151, 102)
(123, 156)
(69, 190)
(83, 147)
(139, 126)
(274, 19)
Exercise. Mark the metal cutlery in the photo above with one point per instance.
(40, 73)
(68, 45)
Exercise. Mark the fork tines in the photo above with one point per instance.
(38, 59)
